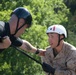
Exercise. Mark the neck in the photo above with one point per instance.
(59, 48)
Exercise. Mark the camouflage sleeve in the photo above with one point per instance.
(45, 59)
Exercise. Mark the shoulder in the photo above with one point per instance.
(69, 48)
(2, 25)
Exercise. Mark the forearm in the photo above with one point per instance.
(28, 47)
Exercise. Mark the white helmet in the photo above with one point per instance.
(57, 29)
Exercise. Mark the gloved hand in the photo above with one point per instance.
(47, 68)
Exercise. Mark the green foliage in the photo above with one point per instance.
(14, 63)
(45, 13)
(71, 4)
(49, 12)
(36, 33)
(4, 15)
(71, 38)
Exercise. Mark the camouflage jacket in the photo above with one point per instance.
(65, 61)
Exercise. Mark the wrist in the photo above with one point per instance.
(37, 51)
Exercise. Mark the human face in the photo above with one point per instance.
(53, 39)
(22, 29)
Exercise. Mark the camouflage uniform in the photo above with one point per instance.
(64, 62)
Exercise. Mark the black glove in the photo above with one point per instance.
(47, 68)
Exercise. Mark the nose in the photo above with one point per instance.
(50, 39)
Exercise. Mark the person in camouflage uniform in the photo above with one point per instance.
(60, 56)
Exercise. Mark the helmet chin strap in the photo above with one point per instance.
(17, 29)
(54, 49)
(59, 40)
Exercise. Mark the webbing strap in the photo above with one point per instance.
(27, 55)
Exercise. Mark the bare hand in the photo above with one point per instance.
(6, 42)
(41, 52)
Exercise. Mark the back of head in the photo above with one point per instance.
(22, 12)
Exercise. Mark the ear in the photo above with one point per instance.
(62, 36)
